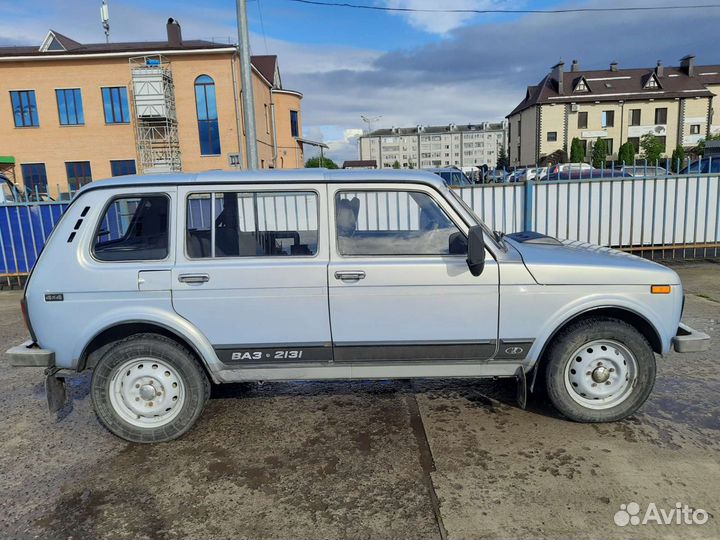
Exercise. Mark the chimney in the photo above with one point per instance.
(575, 66)
(659, 70)
(688, 64)
(557, 74)
(174, 35)
(613, 66)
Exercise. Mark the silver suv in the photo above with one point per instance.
(162, 284)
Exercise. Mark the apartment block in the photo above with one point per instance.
(680, 105)
(71, 112)
(459, 145)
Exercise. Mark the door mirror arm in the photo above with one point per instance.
(476, 250)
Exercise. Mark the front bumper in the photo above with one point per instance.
(689, 340)
(29, 354)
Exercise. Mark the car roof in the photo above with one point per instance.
(272, 176)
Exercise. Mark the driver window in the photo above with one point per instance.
(387, 223)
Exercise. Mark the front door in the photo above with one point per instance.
(399, 284)
(251, 272)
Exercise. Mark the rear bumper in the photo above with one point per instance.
(29, 354)
(689, 340)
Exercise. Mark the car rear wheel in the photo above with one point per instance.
(599, 370)
(147, 388)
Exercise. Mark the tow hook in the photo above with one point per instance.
(55, 390)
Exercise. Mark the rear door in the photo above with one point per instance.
(400, 289)
(251, 272)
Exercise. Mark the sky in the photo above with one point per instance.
(404, 69)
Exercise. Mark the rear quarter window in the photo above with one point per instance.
(134, 228)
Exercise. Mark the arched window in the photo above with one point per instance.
(207, 116)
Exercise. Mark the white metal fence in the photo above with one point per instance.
(658, 217)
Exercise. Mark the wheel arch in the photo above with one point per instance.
(630, 316)
(103, 339)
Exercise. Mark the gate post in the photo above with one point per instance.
(529, 202)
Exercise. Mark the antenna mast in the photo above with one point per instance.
(105, 17)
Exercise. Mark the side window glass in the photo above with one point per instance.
(252, 224)
(134, 229)
(394, 223)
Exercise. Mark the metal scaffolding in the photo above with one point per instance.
(156, 126)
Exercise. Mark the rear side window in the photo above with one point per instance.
(134, 229)
(252, 224)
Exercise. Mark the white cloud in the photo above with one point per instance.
(437, 23)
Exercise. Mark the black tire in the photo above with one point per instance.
(560, 356)
(194, 381)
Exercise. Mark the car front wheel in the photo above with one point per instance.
(599, 370)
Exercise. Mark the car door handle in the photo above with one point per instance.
(193, 278)
(350, 275)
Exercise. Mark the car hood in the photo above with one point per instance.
(567, 262)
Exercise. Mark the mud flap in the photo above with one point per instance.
(55, 390)
(521, 387)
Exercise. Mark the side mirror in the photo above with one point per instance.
(476, 250)
(457, 244)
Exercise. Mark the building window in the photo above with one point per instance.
(24, 108)
(35, 177)
(608, 119)
(552, 136)
(581, 86)
(635, 141)
(294, 124)
(70, 107)
(635, 117)
(663, 142)
(695, 129)
(122, 167)
(78, 174)
(583, 143)
(661, 115)
(582, 120)
(208, 129)
(267, 120)
(115, 103)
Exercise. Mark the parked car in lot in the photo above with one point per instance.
(530, 173)
(703, 166)
(452, 176)
(183, 279)
(11, 193)
(567, 167)
(639, 171)
(587, 174)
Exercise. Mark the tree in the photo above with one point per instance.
(652, 147)
(677, 159)
(577, 152)
(599, 154)
(327, 163)
(626, 153)
(396, 164)
(503, 161)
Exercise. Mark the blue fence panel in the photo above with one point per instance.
(24, 229)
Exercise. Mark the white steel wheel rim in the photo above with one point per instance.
(147, 392)
(601, 374)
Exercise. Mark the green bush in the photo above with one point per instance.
(577, 152)
(599, 154)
